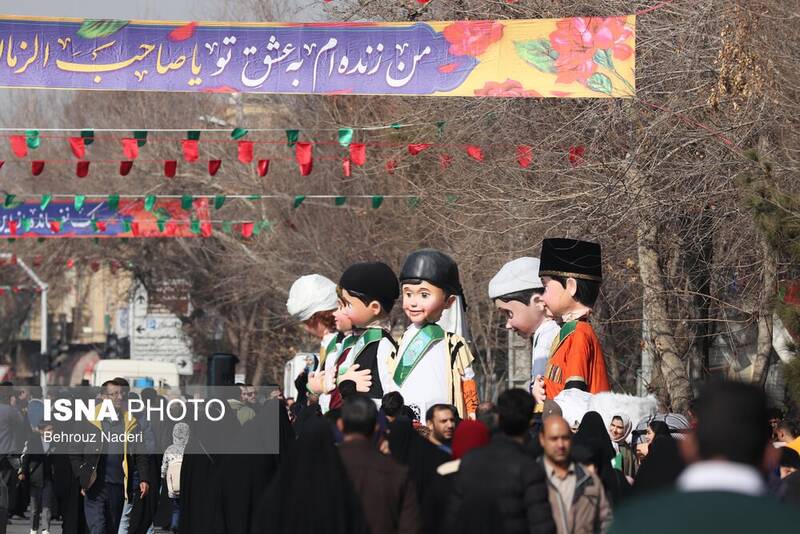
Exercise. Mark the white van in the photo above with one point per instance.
(139, 373)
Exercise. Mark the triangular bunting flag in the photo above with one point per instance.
(186, 202)
(576, 155)
(149, 202)
(219, 201)
(247, 230)
(130, 148)
(193, 135)
(524, 156)
(82, 169)
(475, 152)
(78, 146)
(113, 202)
(213, 166)
(263, 167)
(141, 137)
(170, 168)
(32, 139)
(18, 145)
(125, 167)
(416, 148)
(45, 201)
(292, 136)
(339, 201)
(391, 165)
(377, 200)
(37, 166)
(246, 151)
(346, 166)
(55, 226)
(358, 153)
(345, 136)
(79, 200)
(298, 200)
(191, 150)
(238, 133)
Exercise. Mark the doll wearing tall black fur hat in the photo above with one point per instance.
(432, 366)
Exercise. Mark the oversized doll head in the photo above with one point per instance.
(367, 292)
(571, 272)
(429, 285)
(517, 292)
(312, 301)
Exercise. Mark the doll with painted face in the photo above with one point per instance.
(367, 292)
(571, 272)
(432, 366)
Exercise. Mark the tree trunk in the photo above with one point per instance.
(672, 366)
(765, 310)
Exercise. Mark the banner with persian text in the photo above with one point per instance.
(101, 218)
(581, 57)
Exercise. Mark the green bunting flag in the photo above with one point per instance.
(298, 200)
(88, 137)
(126, 225)
(195, 226)
(339, 201)
(238, 133)
(141, 137)
(162, 224)
(227, 227)
(397, 125)
(79, 200)
(113, 202)
(9, 201)
(451, 198)
(193, 135)
(440, 127)
(45, 201)
(265, 226)
(254, 197)
(413, 202)
(292, 136)
(149, 202)
(219, 201)
(186, 202)
(33, 139)
(377, 200)
(345, 136)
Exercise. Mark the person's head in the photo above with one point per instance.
(312, 300)
(116, 392)
(368, 291)
(392, 405)
(247, 393)
(619, 429)
(359, 417)
(487, 414)
(441, 420)
(788, 430)
(430, 283)
(655, 428)
(732, 423)
(555, 438)
(515, 411)
(571, 272)
(469, 435)
(789, 462)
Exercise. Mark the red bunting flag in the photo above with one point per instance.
(94, 265)
(445, 160)
(391, 165)
(125, 167)
(100, 225)
(475, 152)
(306, 168)
(263, 167)
(2, 162)
(78, 146)
(170, 168)
(303, 153)
(524, 156)
(247, 229)
(213, 166)
(37, 167)
(576, 155)
(246, 151)
(70, 263)
(114, 265)
(19, 145)
(191, 150)
(12, 227)
(205, 229)
(82, 169)
(55, 226)
(135, 229)
(358, 153)
(346, 167)
(130, 148)
(38, 260)
(415, 149)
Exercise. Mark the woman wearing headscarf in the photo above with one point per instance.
(420, 455)
(592, 446)
(662, 465)
(311, 492)
(469, 435)
(620, 431)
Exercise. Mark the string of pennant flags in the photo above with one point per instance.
(355, 152)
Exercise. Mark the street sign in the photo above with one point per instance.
(156, 333)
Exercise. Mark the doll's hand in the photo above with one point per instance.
(330, 380)
(537, 389)
(362, 378)
(316, 383)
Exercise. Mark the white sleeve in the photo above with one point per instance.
(386, 353)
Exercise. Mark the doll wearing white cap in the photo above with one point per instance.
(517, 291)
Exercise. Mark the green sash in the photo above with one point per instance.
(423, 339)
(370, 336)
(331, 346)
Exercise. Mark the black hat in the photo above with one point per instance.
(372, 280)
(432, 266)
(570, 258)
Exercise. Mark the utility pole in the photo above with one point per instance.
(43, 321)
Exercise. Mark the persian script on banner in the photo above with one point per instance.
(581, 57)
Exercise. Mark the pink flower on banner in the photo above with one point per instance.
(508, 88)
(578, 39)
(472, 38)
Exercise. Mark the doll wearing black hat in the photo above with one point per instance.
(432, 366)
(368, 292)
(571, 272)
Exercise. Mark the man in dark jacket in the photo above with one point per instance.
(501, 480)
(104, 462)
(385, 487)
